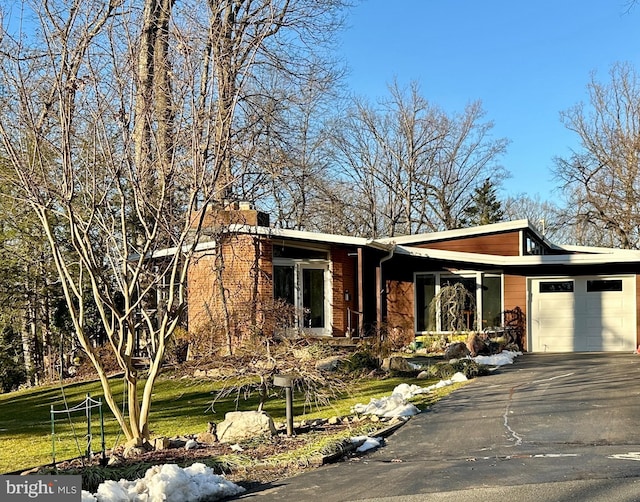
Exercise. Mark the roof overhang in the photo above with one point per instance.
(521, 261)
(494, 228)
(300, 235)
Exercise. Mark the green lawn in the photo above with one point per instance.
(180, 406)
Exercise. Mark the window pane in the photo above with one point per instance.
(556, 287)
(425, 291)
(313, 297)
(604, 285)
(468, 310)
(283, 287)
(491, 301)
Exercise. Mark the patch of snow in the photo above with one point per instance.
(368, 443)
(88, 497)
(191, 445)
(396, 404)
(167, 483)
(504, 357)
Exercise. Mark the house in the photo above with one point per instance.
(276, 280)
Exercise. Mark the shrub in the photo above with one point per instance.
(468, 367)
(362, 361)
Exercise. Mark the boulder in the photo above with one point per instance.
(396, 363)
(456, 350)
(241, 425)
(161, 443)
(207, 438)
(328, 363)
(136, 447)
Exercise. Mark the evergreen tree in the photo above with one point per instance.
(484, 208)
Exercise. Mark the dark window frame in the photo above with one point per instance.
(604, 285)
(565, 286)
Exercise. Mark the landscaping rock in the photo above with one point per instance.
(207, 438)
(133, 451)
(177, 442)
(456, 350)
(161, 443)
(136, 447)
(241, 425)
(115, 460)
(329, 363)
(396, 363)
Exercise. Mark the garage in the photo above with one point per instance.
(582, 314)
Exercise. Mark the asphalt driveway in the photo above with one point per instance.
(548, 427)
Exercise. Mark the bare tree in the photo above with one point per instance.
(284, 164)
(117, 121)
(412, 167)
(547, 216)
(602, 178)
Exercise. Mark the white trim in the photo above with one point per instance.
(312, 264)
(276, 233)
(503, 261)
(477, 275)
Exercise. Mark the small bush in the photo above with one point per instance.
(468, 367)
(361, 362)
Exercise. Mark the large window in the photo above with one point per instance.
(482, 313)
(301, 279)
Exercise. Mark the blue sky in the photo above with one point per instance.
(525, 60)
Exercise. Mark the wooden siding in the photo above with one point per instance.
(515, 295)
(515, 292)
(504, 244)
(344, 279)
(400, 310)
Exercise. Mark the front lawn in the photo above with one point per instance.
(181, 406)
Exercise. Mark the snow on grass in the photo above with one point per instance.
(167, 483)
(397, 405)
(198, 483)
(504, 357)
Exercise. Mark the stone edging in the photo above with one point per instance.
(350, 448)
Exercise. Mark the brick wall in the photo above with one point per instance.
(246, 280)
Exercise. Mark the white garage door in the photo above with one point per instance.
(583, 314)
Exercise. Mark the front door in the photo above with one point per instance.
(313, 297)
(307, 286)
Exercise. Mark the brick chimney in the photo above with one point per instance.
(239, 213)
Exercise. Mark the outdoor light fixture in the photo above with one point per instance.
(286, 381)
